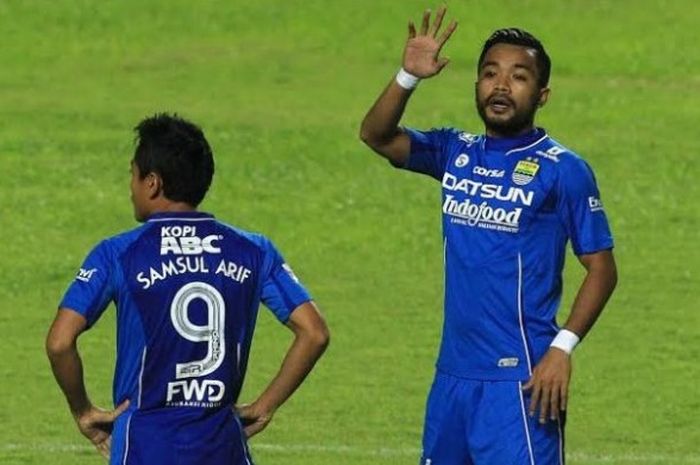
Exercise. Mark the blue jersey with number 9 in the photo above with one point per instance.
(187, 290)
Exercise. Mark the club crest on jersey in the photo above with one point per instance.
(462, 160)
(525, 171)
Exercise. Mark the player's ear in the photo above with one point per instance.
(544, 96)
(155, 185)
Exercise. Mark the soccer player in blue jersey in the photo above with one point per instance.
(187, 289)
(511, 200)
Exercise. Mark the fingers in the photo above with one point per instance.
(411, 30)
(563, 396)
(254, 428)
(447, 33)
(534, 398)
(438, 21)
(121, 408)
(550, 401)
(244, 411)
(554, 405)
(103, 449)
(251, 430)
(544, 404)
(426, 23)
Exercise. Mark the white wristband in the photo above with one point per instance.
(406, 80)
(565, 340)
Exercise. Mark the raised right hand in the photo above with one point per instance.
(420, 57)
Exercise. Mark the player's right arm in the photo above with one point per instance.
(61, 348)
(380, 128)
(86, 299)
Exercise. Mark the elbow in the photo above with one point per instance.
(319, 337)
(56, 345)
(365, 136)
(322, 338)
(371, 138)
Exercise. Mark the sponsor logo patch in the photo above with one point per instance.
(595, 204)
(183, 240)
(290, 272)
(508, 362)
(469, 139)
(85, 275)
(551, 154)
(479, 209)
(489, 173)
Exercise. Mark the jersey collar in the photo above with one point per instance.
(192, 216)
(507, 144)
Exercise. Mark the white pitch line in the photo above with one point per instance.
(575, 456)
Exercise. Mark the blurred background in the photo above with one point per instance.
(280, 89)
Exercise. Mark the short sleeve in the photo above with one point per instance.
(282, 291)
(428, 151)
(92, 290)
(581, 209)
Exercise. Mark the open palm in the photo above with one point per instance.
(421, 55)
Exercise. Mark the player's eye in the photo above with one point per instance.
(520, 77)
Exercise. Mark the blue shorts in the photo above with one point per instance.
(471, 422)
(169, 437)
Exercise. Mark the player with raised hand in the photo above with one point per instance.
(511, 200)
(420, 60)
(187, 288)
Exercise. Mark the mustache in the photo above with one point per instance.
(500, 98)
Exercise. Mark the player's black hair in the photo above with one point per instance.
(178, 152)
(516, 36)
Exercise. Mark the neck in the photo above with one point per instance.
(504, 134)
(163, 205)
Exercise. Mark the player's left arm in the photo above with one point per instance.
(550, 377)
(311, 337)
(61, 347)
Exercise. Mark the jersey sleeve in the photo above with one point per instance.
(429, 151)
(282, 291)
(581, 210)
(93, 289)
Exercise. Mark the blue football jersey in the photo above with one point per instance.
(509, 207)
(187, 290)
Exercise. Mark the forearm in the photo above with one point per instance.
(68, 370)
(380, 124)
(596, 289)
(300, 359)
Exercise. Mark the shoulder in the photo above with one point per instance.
(115, 245)
(253, 239)
(444, 134)
(562, 158)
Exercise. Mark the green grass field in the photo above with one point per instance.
(280, 89)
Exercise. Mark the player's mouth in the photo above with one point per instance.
(500, 104)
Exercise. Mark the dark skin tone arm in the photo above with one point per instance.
(61, 347)
(549, 384)
(311, 337)
(380, 127)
